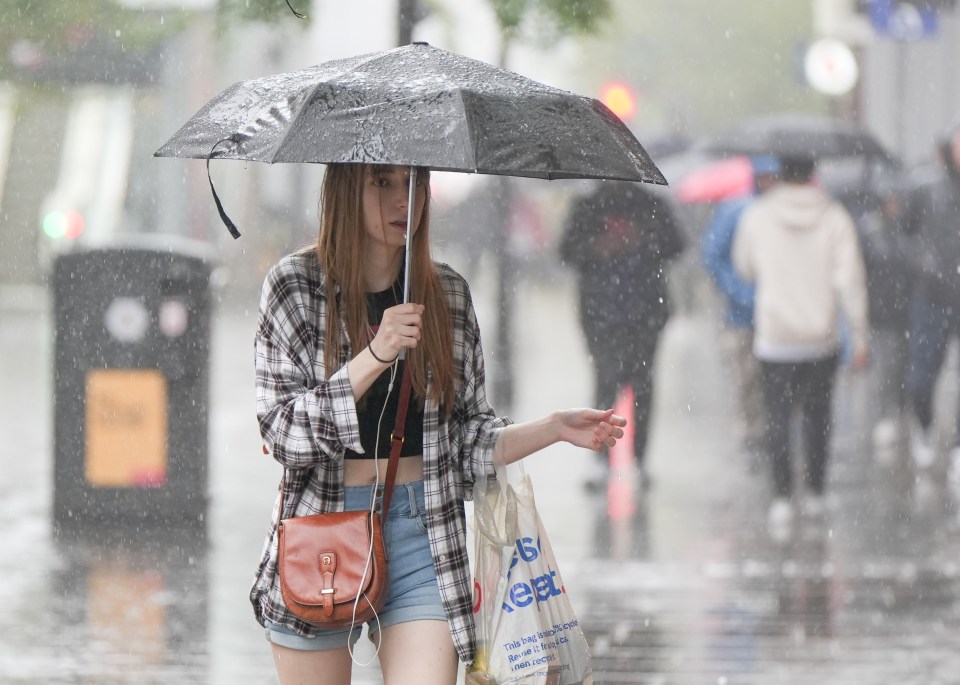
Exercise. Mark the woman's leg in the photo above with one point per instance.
(419, 652)
(312, 667)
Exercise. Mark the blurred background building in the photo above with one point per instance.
(89, 90)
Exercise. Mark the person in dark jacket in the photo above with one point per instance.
(933, 221)
(886, 257)
(621, 239)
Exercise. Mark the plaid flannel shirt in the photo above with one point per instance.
(307, 422)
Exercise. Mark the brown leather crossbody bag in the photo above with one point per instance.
(333, 566)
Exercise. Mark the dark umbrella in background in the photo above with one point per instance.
(850, 159)
(416, 106)
(796, 135)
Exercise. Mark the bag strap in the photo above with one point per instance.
(396, 440)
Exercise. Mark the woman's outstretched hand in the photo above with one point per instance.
(591, 428)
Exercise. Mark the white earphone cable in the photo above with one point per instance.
(373, 508)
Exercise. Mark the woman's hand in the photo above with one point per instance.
(399, 329)
(591, 428)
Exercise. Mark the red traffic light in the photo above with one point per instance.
(619, 98)
(67, 225)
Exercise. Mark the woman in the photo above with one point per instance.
(326, 404)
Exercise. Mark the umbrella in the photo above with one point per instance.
(796, 135)
(416, 105)
(719, 180)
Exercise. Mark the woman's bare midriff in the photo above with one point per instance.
(364, 471)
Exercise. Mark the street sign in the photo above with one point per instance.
(830, 67)
(901, 20)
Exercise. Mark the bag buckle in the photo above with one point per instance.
(328, 567)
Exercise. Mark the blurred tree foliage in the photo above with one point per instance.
(264, 11)
(699, 66)
(544, 21)
(39, 37)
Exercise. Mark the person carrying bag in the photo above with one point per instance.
(527, 631)
(334, 319)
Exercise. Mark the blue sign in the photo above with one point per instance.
(902, 20)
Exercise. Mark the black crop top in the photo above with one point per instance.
(371, 404)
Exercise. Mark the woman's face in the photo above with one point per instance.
(385, 196)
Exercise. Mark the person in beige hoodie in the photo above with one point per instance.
(800, 248)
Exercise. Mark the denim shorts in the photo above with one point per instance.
(413, 593)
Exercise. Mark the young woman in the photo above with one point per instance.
(331, 328)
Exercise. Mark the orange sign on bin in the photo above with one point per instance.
(126, 428)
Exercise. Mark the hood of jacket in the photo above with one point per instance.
(797, 206)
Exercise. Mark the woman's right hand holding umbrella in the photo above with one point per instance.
(399, 329)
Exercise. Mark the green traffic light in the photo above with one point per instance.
(57, 225)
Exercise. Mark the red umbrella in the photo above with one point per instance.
(719, 180)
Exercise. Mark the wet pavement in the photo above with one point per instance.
(677, 584)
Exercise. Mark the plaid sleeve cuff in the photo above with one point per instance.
(344, 410)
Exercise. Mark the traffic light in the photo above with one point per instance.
(619, 98)
(67, 225)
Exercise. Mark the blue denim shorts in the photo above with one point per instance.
(413, 593)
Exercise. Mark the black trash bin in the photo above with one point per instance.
(131, 383)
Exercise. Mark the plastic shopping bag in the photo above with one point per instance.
(527, 633)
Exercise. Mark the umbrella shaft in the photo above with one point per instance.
(411, 205)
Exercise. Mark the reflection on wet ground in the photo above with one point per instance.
(129, 607)
(867, 592)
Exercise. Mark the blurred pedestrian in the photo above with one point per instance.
(888, 264)
(621, 239)
(331, 329)
(933, 221)
(801, 249)
(717, 252)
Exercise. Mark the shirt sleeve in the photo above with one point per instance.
(717, 249)
(476, 427)
(304, 418)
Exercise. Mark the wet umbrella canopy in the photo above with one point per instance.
(416, 105)
(796, 135)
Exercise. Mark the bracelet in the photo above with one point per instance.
(382, 361)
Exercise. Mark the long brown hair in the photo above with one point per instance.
(340, 251)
